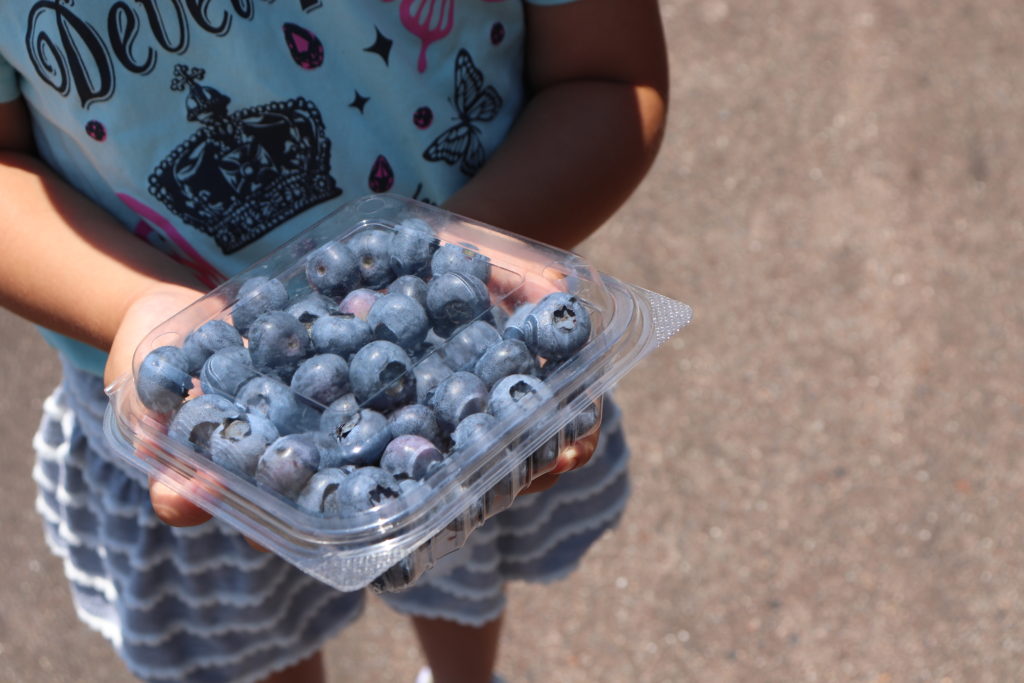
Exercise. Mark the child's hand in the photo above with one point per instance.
(573, 456)
(143, 315)
(525, 284)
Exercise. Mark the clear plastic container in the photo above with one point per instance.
(388, 542)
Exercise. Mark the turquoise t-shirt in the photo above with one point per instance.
(218, 130)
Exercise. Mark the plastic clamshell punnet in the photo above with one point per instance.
(389, 542)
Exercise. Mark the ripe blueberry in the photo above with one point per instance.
(399, 319)
(411, 248)
(288, 463)
(333, 270)
(211, 336)
(459, 395)
(381, 375)
(372, 250)
(278, 343)
(454, 299)
(322, 378)
(460, 258)
(226, 370)
(163, 379)
(238, 442)
(410, 456)
(257, 295)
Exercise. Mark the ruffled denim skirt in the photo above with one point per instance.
(199, 604)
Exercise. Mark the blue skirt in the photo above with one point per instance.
(199, 604)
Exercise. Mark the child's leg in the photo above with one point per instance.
(458, 653)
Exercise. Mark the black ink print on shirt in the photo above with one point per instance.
(243, 173)
(74, 56)
(381, 46)
(473, 102)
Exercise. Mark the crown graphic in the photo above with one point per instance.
(245, 172)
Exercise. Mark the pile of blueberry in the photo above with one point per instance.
(351, 391)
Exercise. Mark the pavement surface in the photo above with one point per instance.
(827, 471)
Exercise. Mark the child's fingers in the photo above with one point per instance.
(170, 506)
(513, 289)
(173, 508)
(573, 456)
(176, 510)
(577, 454)
(541, 483)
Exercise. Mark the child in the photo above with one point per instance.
(214, 132)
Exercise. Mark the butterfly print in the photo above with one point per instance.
(473, 102)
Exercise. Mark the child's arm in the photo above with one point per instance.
(587, 136)
(64, 262)
(67, 265)
(598, 75)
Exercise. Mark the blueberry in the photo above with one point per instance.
(360, 437)
(256, 296)
(545, 456)
(322, 378)
(238, 442)
(358, 302)
(333, 270)
(499, 317)
(274, 399)
(430, 371)
(372, 250)
(551, 367)
(454, 299)
(412, 246)
(399, 319)
(311, 307)
(278, 343)
(347, 406)
(226, 371)
(466, 346)
(557, 327)
(163, 379)
(381, 375)
(460, 258)
(209, 337)
(340, 334)
(584, 422)
(410, 456)
(472, 517)
(320, 486)
(414, 419)
(459, 395)
(413, 490)
(288, 463)
(503, 358)
(516, 394)
(411, 286)
(433, 340)
(410, 487)
(514, 327)
(364, 489)
(196, 420)
(473, 429)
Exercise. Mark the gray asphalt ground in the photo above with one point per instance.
(827, 476)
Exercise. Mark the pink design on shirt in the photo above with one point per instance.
(382, 176)
(188, 256)
(306, 49)
(428, 20)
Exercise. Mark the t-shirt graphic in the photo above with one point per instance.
(243, 173)
(473, 101)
